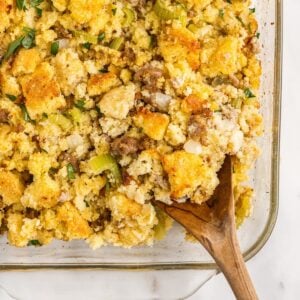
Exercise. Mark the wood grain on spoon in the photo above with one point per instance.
(213, 225)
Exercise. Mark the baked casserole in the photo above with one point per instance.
(105, 105)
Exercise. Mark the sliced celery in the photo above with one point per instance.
(104, 162)
(86, 37)
(170, 12)
(61, 121)
(117, 43)
(129, 16)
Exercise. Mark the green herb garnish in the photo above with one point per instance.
(38, 11)
(114, 10)
(21, 4)
(86, 203)
(101, 37)
(229, 1)
(34, 243)
(25, 113)
(252, 10)
(257, 35)
(221, 13)
(248, 93)
(12, 47)
(11, 97)
(80, 104)
(104, 69)
(70, 171)
(29, 39)
(54, 48)
(87, 45)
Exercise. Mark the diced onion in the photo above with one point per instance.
(192, 146)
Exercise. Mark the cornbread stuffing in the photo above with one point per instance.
(106, 105)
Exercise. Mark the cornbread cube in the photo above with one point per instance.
(9, 85)
(70, 224)
(11, 187)
(42, 193)
(186, 172)
(83, 11)
(60, 5)
(117, 102)
(222, 56)
(26, 61)
(41, 91)
(39, 163)
(153, 124)
(70, 70)
(4, 17)
(102, 83)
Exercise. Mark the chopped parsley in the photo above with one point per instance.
(80, 104)
(86, 45)
(70, 171)
(25, 113)
(101, 37)
(34, 243)
(248, 93)
(54, 48)
(21, 4)
(221, 13)
(11, 97)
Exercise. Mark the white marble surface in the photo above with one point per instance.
(275, 270)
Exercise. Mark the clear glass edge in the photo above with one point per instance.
(266, 233)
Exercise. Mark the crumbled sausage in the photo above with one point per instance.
(99, 224)
(197, 128)
(61, 31)
(125, 145)
(69, 158)
(4, 115)
(149, 76)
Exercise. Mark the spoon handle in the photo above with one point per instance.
(231, 262)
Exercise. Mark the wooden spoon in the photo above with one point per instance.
(213, 225)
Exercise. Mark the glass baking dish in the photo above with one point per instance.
(174, 252)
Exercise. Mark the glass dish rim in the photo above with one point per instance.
(266, 233)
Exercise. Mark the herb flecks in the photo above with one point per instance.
(249, 93)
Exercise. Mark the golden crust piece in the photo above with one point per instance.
(11, 187)
(41, 91)
(102, 83)
(153, 124)
(185, 170)
(42, 193)
(70, 224)
(26, 61)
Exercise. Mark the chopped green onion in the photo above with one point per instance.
(54, 48)
(21, 4)
(13, 47)
(166, 12)
(25, 113)
(70, 171)
(80, 104)
(221, 13)
(29, 40)
(105, 162)
(86, 45)
(34, 3)
(248, 93)
(101, 37)
(252, 10)
(129, 16)
(38, 11)
(117, 43)
(11, 97)
(34, 243)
